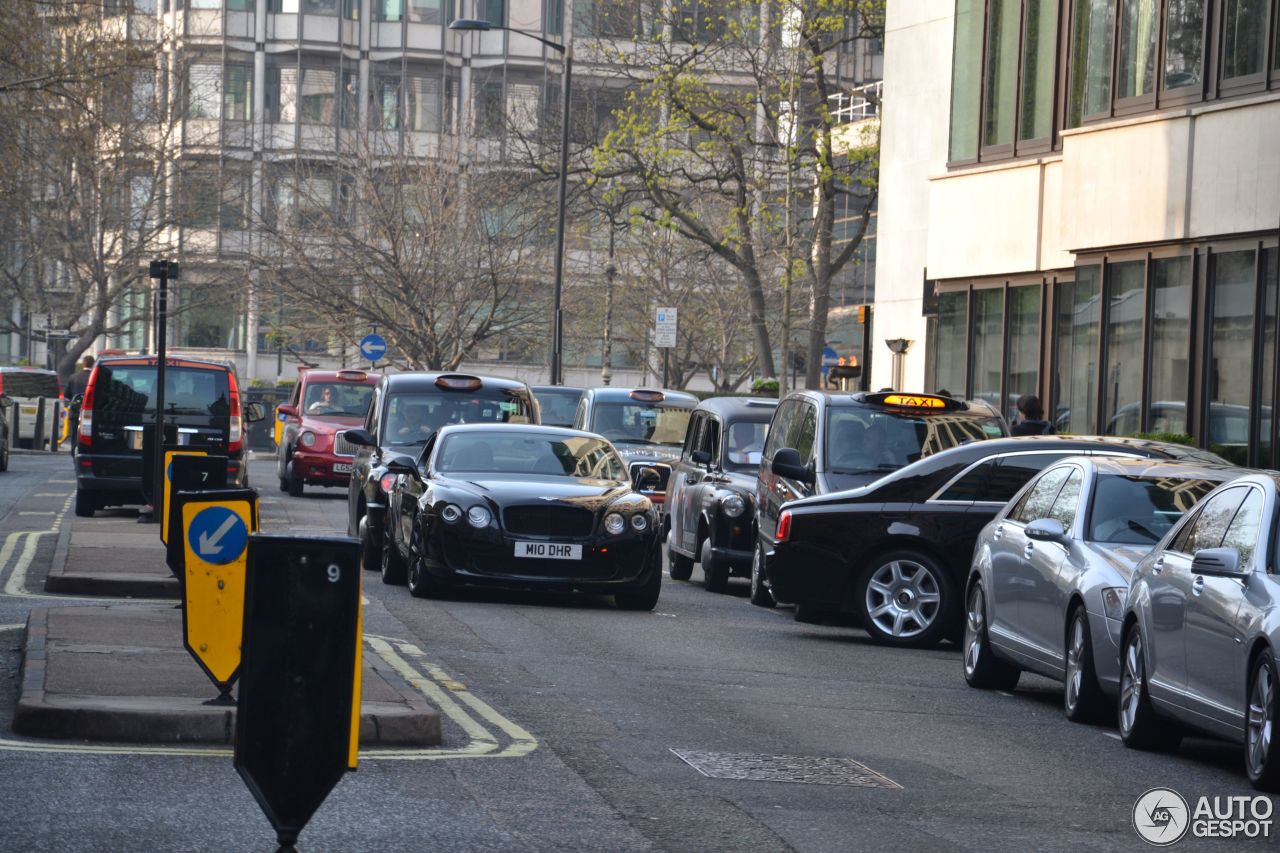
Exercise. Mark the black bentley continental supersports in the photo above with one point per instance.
(521, 506)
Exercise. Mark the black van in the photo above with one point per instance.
(202, 400)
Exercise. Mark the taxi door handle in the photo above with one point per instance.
(1197, 585)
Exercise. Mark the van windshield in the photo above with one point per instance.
(131, 388)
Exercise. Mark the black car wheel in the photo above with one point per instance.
(370, 551)
(644, 595)
(295, 481)
(982, 669)
(1262, 724)
(678, 565)
(1140, 726)
(715, 575)
(761, 596)
(86, 504)
(4, 457)
(421, 583)
(1082, 698)
(394, 570)
(905, 599)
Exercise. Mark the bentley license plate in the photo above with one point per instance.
(548, 551)
(342, 467)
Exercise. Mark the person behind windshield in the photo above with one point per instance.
(744, 449)
(325, 404)
(415, 424)
(874, 445)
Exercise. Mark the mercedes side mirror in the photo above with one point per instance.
(1218, 562)
(254, 412)
(787, 463)
(1047, 530)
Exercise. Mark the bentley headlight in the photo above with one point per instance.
(639, 522)
(614, 523)
(478, 516)
(307, 438)
(451, 513)
(733, 506)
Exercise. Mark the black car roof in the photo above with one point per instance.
(681, 399)
(741, 408)
(556, 389)
(564, 432)
(427, 381)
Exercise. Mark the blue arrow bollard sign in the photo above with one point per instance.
(217, 535)
(373, 347)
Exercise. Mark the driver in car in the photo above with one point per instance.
(416, 423)
(324, 404)
(743, 447)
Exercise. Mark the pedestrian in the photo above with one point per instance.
(76, 386)
(1031, 417)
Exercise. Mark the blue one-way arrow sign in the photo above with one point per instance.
(373, 347)
(217, 535)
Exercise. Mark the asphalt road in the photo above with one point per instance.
(563, 718)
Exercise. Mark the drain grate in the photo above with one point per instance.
(754, 767)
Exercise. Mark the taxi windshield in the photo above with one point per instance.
(412, 418)
(862, 440)
(337, 399)
(640, 423)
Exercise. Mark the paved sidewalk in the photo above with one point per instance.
(120, 673)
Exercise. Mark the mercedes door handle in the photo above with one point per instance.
(1197, 586)
(998, 533)
(1026, 552)
(1158, 566)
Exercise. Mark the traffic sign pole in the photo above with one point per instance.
(297, 718)
(162, 270)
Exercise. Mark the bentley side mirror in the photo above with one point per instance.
(1218, 563)
(1047, 530)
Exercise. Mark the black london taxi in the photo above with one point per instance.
(646, 425)
(711, 498)
(828, 441)
(405, 412)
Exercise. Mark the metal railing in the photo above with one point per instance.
(857, 104)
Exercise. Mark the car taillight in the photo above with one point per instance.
(86, 412)
(235, 437)
(784, 527)
(387, 483)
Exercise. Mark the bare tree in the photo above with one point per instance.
(440, 255)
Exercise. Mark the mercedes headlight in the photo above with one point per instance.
(733, 506)
(614, 523)
(478, 516)
(1114, 599)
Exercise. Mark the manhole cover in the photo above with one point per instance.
(754, 767)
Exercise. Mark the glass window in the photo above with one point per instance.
(349, 99)
(388, 10)
(320, 7)
(804, 433)
(1184, 43)
(492, 11)
(1141, 510)
(746, 441)
(235, 211)
(1038, 500)
(1022, 374)
(1068, 500)
(950, 354)
(410, 419)
(1137, 48)
(237, 97)
(966, 80)
(1213, 520)
(425, 11)
(972, 486)
(1170, 328)
(1001, 72)
(211, 316)
(1079, 374)
(424, 103)
(203, 83)
(1244, 37)
(488, 107)
(1230, 379)
(387, 102)
(1126, 306)
(316, 97)
(779, 427)
(282, 93)
(988, 345)
(1243, 532)
(606, 18)
(1039, 52)
(647, 423)
(1092, 31)
(553, 17)
(198, 202)
(1013, 472)
(1271, 282)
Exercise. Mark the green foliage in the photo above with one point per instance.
(765, 387)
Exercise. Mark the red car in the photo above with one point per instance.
(324, 404)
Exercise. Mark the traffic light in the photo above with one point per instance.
(864, 313)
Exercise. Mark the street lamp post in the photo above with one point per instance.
(566, 51)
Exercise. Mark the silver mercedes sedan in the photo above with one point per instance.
(1051, 572)
(1202, 629)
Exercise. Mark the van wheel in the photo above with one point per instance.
(86, 506)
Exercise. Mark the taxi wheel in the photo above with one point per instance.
(393, 568)
(761, 595)
(295, 483)
(715, 576)
(679, 566)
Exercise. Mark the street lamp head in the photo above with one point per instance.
(473, 24)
